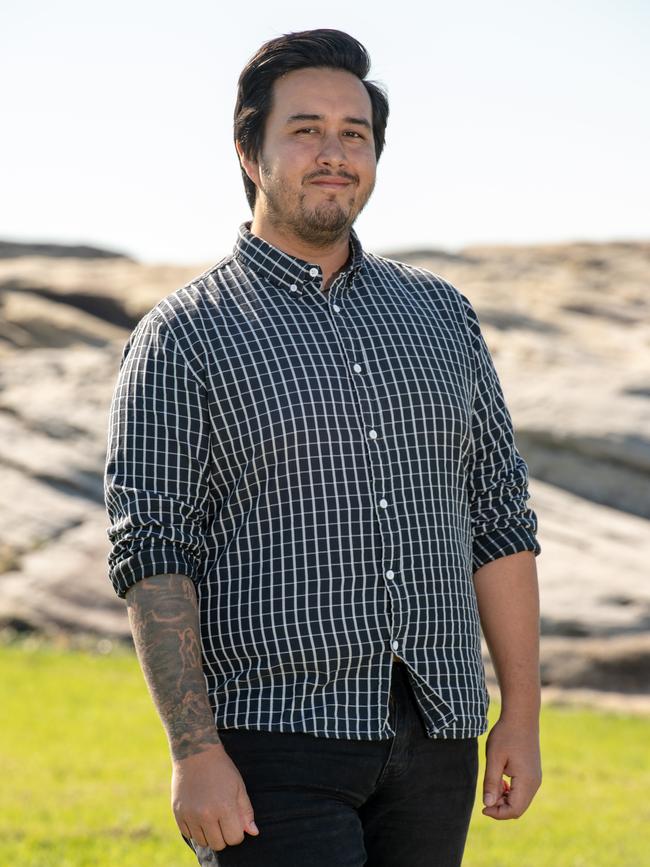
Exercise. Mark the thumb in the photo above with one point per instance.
(248, 816)
(492, 783)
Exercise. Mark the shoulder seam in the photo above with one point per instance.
(408, 267)
(217, 266)
(156, 313)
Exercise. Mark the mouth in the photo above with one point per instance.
(331, 184)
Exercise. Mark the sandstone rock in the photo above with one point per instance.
(118, 291)
(16, 249)
(568, 326)
(569, 329)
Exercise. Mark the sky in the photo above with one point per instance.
(510, 122)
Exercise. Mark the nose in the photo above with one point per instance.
(332, 152)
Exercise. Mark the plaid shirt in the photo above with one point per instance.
(329, 468)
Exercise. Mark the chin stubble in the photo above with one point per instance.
(320, 227)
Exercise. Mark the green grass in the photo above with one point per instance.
(85, 775)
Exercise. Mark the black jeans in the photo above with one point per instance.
(327, 802)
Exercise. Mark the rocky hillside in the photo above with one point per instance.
(569, 329)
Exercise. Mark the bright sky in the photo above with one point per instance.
(510, 121)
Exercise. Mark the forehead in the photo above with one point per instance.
(329, 92)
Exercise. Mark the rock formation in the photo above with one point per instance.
(569, 329)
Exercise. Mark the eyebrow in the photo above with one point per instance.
(361, 121)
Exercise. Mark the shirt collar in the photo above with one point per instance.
(274, 264)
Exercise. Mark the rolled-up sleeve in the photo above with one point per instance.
(502, 522)
(156, 480)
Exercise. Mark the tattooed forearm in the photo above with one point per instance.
(163, 614)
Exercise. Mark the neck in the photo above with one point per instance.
(331, 259)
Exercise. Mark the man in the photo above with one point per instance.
(315, 502)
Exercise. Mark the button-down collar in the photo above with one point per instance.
(293, 274)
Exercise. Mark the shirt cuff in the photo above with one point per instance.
(164, 559)
(502, 543)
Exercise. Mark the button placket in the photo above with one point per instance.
(375, 456)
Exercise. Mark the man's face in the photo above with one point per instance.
(317, 167)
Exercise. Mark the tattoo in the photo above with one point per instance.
(163, 614)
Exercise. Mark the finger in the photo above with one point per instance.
(501, 811)
(493, 781)
(505, 790)
(232, 828)
(521, 794)
(196, 834)
(212, 834)
(247, 815)
(517, 800)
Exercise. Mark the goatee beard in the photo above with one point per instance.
(322, 226)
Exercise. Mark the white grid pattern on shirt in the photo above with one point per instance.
(240, 454)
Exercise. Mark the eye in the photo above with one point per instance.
(307, 129)
(353, 132)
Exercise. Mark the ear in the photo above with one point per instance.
(251, 167)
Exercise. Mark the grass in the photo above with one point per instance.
(86, 774)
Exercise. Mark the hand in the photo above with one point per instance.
(513, 749)
(209, 799)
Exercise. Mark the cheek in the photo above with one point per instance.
(298, 150)
(366, 161)
(293, 161)
(367, 171)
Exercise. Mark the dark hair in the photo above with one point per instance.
(308, 48)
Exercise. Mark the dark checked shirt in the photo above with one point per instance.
(329, 468)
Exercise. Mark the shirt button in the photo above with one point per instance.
(313, 272)
(293, 287)
(390, 574)
(336, 308)
(372, 434)
(357, 368)
(394, 644)
(383, 503)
